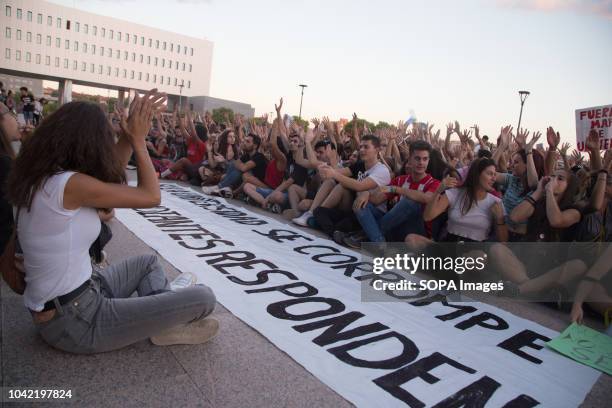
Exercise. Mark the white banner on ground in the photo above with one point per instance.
(303, 293)
(598, 118)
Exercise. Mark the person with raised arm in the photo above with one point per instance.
(74, 308)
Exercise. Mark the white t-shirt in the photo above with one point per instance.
(55, 243)
(476, 223)
(381, 175)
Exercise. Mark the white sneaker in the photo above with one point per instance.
(197, 332)
(302, 220)
(226, 192)
(210, 189)
(184, 280)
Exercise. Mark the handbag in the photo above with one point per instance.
(12, 271)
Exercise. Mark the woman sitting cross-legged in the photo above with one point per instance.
(70, 167)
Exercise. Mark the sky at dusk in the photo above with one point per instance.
(445, 60)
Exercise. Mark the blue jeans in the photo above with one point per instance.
(265, 192)
(232, 178)
(406, 217)
(369, 217)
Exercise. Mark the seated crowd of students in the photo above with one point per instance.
(408, 184)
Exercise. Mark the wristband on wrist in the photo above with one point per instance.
(530, 200)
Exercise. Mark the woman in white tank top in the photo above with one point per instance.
(69, 168)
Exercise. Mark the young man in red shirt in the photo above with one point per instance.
(414, 189)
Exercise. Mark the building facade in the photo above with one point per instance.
(48, 41)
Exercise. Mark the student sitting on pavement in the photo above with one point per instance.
(74, 308)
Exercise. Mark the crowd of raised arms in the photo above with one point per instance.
(410, 183)
(406, 183)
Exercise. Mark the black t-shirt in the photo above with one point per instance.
(6, 210)
(358, 167)
(298, 173)
(261, 163)
(540, 230)
(28, 105)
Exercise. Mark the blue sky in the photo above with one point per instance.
(444, 59)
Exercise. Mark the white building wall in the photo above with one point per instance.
(79, 55)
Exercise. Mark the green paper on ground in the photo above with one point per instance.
(586, 346)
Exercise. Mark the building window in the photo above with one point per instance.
(116, 72)
(100, 69)
(134, 57)
(157, 44)
(132, 75)
(57, 62)
(183, 66)
(163, 62)
(185, 50)
(125, 55)
(66, 63)
(28, 57)
(110, 34)
(127, 37)
(17, 55)
(154, 78)
(164, 47)
(49, 21)
(48, 41)
(108, 71)
(117, 54)
(103, 32)
(178, 49)
(18, 34)
(170, 64)
(58, 42)
(47, 60)
(7, 52)
(93, 49)
(29, 16)
(84, 47)
(86, 28)
(28, 37)
(147, 77)
(171, 47)
(76, 45)
(189, 67)
(67, 44)
(135, 37)
(155, 61)
(39, 18)
(110, 52)
(67, 24)
(176, 65)
(38, 39)
(118, 35)
(125, 73)
(101, 51)
(142, 41)
(168, 81)
(141, 58)
(83, 66)
(7, 33)
(188, 84)
(148, 60)
(175, 81)
(161, 79)
(77, 26)
(75, 65)
(19, 14)
(94, 30)
(140, 76)
(150, 43)
(8, 14)
(92, 68)
(59, 22)
(191, 51)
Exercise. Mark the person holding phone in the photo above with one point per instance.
(75, 309)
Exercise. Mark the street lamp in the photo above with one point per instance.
(181, 94)
(302, 98)
(523, 95)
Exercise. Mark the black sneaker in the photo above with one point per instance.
(354, 240)
(338, 237)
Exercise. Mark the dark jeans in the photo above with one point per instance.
(406, 217)
(333, 219)
(233, 177)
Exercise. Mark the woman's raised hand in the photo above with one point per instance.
(141, 112)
